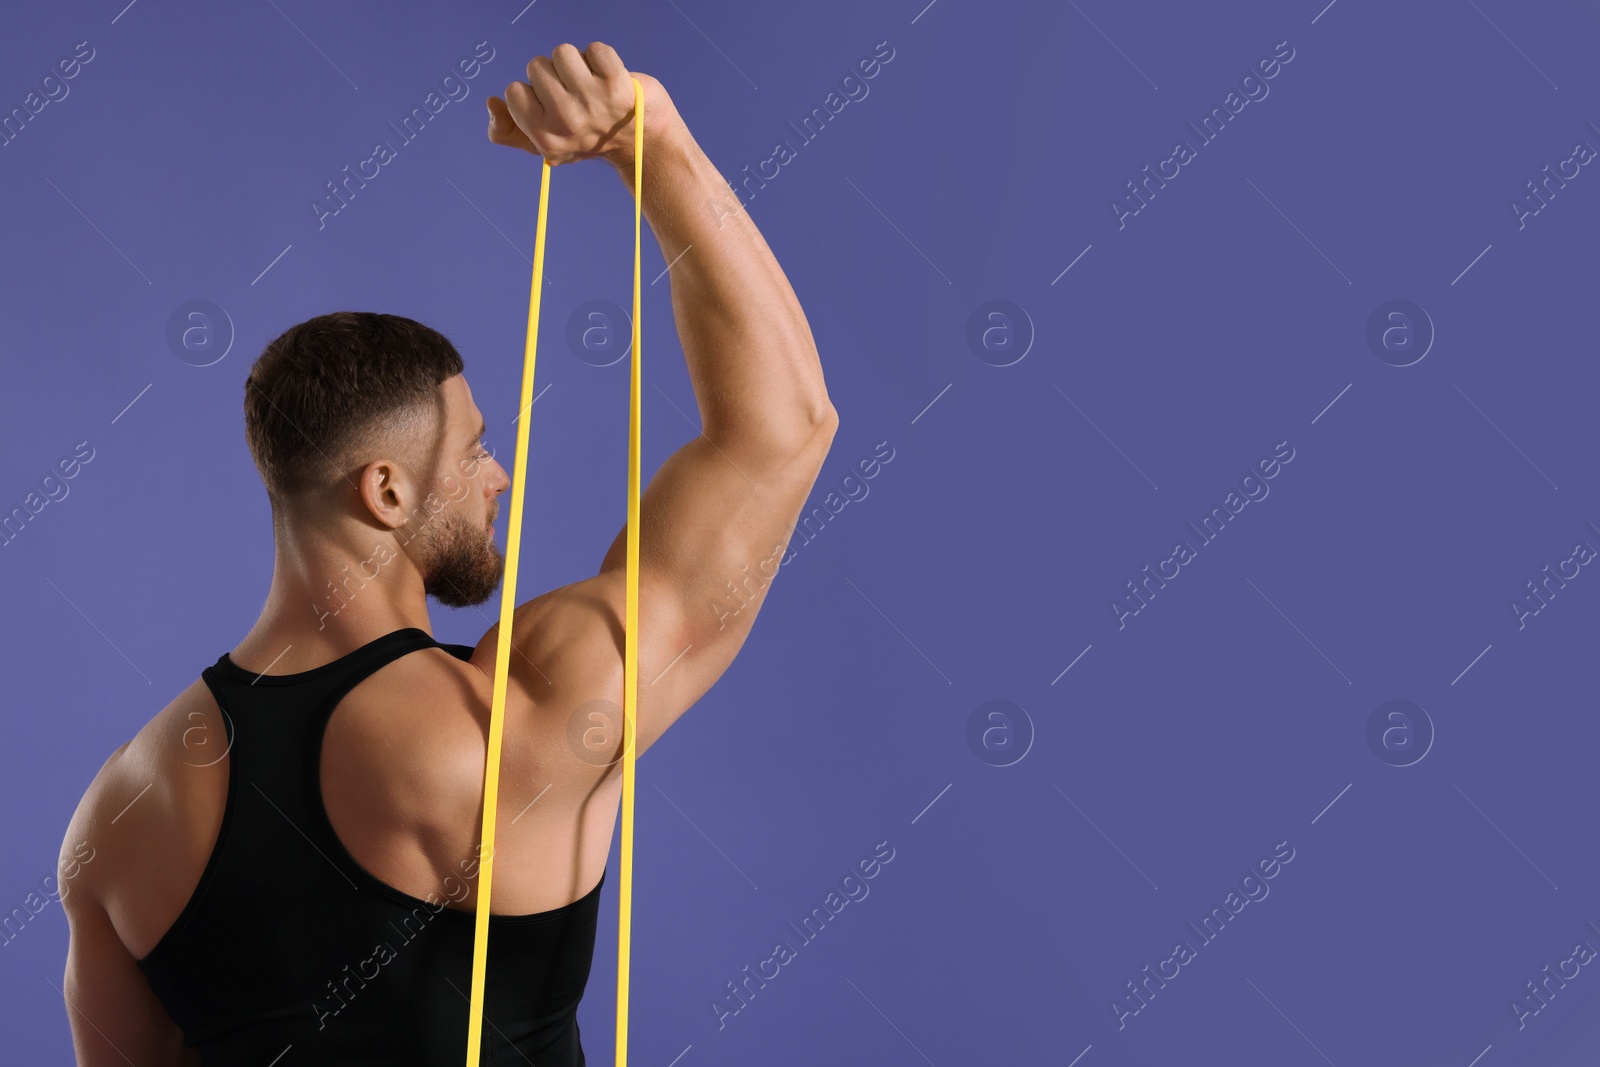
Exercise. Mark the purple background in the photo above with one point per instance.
(1176, 352)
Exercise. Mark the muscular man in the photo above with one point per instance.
(282, 862)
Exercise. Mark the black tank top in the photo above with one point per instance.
(290, 948)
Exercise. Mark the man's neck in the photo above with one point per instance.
(325, 604)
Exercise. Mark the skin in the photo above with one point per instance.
(403, 759)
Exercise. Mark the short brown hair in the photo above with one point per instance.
(327, 384)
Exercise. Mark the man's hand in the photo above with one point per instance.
(576, 105)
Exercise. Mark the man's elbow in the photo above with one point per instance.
(813, 435)
(825, 422)
(780, 440)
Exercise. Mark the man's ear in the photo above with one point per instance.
(386, 492)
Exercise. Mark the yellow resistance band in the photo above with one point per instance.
(508, 603)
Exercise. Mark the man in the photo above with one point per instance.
(284, 858)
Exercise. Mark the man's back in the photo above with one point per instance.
(290, 865)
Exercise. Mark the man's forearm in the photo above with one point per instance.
(749, 348)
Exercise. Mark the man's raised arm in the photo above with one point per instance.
(717, 515)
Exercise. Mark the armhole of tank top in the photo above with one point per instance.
(342, 857)
(208, 873)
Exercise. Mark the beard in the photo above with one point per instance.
(462, 566)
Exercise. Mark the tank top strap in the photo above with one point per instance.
(354, 665)
(344, 674)
(275, 724)
(269, 716)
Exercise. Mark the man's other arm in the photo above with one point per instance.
(114, 1014)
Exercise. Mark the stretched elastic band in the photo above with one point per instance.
(630, 657)
(508, 604)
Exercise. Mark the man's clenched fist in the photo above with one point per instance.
(575, 105)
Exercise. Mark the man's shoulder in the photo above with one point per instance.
(587, 618)
(564, 676)
(107, 827)
(561, 640)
